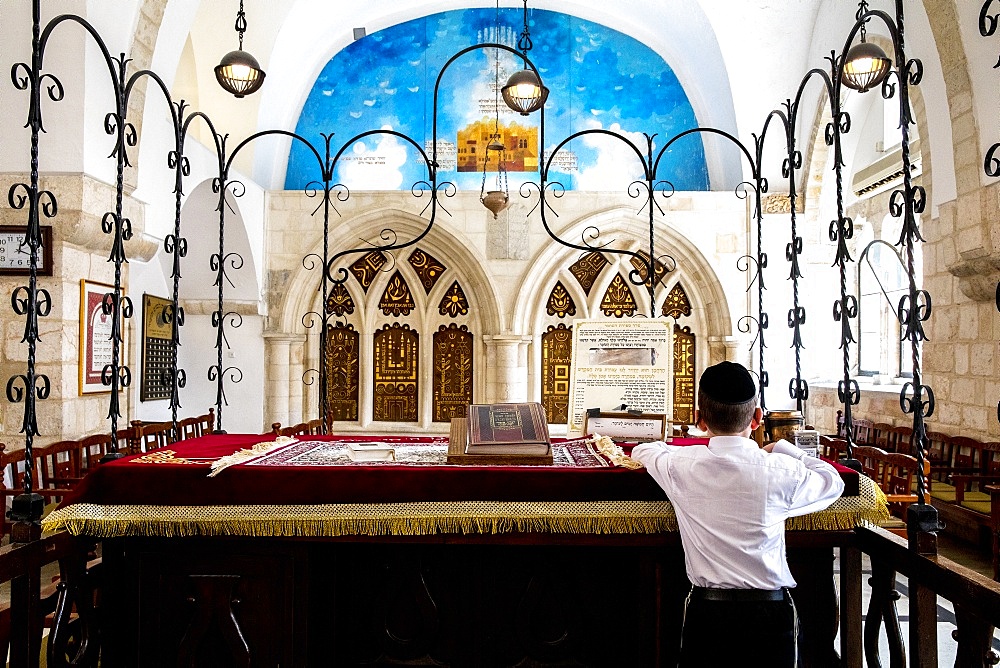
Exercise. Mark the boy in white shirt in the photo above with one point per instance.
(731, 499)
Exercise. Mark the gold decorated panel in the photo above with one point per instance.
(339, 301)
(560, 302)
(557, 358)
(587, 269)
(618, 300)
(428, 268)
(452, 372)
(684, 365)
(397, 299)
(454, 302)
(677, 303)
(342, 369)
(396, 373)
(366, 268)
(640, 262)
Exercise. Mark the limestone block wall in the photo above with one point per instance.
(80, 250)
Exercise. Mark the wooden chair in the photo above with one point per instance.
(12, 470)
(832, 448)
(61, 465)
(900, 438)
(939, 451)
(94, 447)
(863, 432)
(300, 429)
(316, 427)
(196, 426)
(895, 473)
(152, 435)
(881, 433)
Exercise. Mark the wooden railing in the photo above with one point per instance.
(67, 605)
(976, 600)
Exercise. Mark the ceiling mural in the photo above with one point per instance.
(599, 78)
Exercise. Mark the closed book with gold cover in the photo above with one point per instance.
(508, 429)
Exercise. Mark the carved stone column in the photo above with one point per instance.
(506, 368)
(296, 352)
(278, 378)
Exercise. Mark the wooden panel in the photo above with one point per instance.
(502, 600)
(396, 369)
(452, 372)
(684, 366)
(342, 368)
(557, 359)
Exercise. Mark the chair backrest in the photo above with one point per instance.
(300, 429)
(832, 448)
(902, 437)
(61, 464)
(154, 435)
(991, 458)
(93, 448)
(968, 454)
(197, 425)
(863, 431)
(940, 449)
(880, 435)
(872, 462)
(316, 427)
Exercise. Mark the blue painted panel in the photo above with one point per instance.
(599, 78)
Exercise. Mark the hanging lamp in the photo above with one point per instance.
(498, 199)
(524, 92)
(866, 64)
(238, 72)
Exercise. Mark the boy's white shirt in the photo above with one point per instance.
(732, 499)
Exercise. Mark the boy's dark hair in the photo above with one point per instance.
(724, 418)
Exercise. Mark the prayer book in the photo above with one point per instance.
(508, 429)
(459, 441)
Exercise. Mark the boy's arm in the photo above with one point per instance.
(654, 457)
(820, 486)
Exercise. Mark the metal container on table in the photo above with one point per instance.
(783, 424)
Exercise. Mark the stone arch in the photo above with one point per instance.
(705, 289)
(300, 297)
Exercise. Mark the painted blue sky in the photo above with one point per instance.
(598, 78)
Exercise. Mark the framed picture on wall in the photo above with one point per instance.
(95, 337)
(157, 349)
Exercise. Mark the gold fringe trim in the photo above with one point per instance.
(418, 519)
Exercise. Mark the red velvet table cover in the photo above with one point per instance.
(127, 481)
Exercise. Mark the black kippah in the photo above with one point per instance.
(728, 383)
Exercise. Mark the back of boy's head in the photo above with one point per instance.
(727, 398)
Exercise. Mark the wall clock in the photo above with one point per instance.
(14, 254)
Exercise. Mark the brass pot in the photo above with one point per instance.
(783, 424)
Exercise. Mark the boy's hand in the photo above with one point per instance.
(768, 448)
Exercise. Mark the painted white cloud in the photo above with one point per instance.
(617, 165)
(374, 163)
